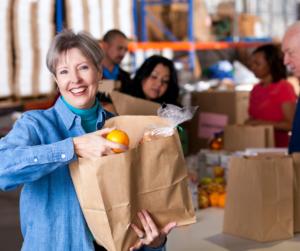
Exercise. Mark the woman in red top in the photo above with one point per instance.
(273, 99)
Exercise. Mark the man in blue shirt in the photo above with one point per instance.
(115, 47)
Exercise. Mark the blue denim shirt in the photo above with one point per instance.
(36, 154)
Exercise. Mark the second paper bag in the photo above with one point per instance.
(296, 162)
(259, 202)
(151, 175)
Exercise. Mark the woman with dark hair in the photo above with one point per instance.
(273, 99)
(156, 80)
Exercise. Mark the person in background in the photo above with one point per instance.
(115, 47)
(37, 152)
(273, 99)
(291, 49)
(156, 80)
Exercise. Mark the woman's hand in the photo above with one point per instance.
(94, 144)
(150, 235)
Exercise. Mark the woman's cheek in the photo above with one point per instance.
(163, 90)
(145, 87)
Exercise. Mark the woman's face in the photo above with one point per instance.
(157, 83)
(259, 65)
(77, 79)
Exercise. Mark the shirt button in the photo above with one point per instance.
(63, 156)
(35, 159)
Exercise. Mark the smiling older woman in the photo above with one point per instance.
(38, 150)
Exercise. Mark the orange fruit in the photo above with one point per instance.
(214, 199)
(120, 137)
(222, 200)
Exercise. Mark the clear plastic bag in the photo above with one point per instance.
(175, 115)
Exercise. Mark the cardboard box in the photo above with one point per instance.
(247, 24)
(174, 17)
(6, 44)
(230, 103)
(178, 16)
(160, 14)
(240, 137)
(30, 77)
(226, 9)
(107, 86)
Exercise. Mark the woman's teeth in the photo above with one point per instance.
(78, 90)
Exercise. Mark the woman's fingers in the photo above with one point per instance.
(141, 236)
(150, 235)
(106, 151)
(145, 224)
(95, 145)
(150, 223)
(138, 231)
(115, 145)
(168, 228)
(109, 146)
(105, 131)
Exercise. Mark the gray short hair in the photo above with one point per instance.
(67, 40)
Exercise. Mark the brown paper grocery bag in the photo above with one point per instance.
(152, 176)
(128, 105)
(107, 86)
(240, 137)
(259, 202)
(296, 185)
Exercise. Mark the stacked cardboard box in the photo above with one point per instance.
(33, 31)
(247, 25)
(6, 50)
(31, 24)
(97, 17)
(175, 18)
(232, 104)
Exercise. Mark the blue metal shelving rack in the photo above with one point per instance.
(139, 6)
(59, 15)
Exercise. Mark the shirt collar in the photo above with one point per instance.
(111, 74)
(85, 114)
(68, 117)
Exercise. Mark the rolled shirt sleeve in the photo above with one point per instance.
(24, 158)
